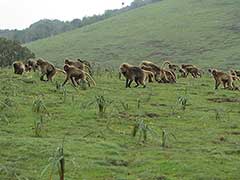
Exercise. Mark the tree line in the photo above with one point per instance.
(11, 51)
(47, 28)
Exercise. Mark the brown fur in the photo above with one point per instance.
(47, 69)
(171, 66)
(76, 75)
(166, 76)
(222, 78)
(19, 67)
(194, 71)
(235, 72)
(134, 73)
(32, 64)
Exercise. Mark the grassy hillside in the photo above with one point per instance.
(204, 32)
(202, 141)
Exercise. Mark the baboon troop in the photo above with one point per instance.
(78, 71)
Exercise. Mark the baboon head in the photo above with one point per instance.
(66, 67)
(40, 61)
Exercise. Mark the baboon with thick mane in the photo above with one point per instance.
(134, 73)
(47, 69)
(19, 67)
(76, 75)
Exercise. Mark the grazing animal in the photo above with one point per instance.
(134, 73)
(47, 69)
(19, 67)
(76, 75)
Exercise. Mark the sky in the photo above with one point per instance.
(19, 14)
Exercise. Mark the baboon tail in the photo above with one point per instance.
(90, 77)
(59, 70)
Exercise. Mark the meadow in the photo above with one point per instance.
(185, 130)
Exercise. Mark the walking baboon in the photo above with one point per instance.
(194, 71)
(76, 75)
(223, 78)
(19, 67)
(134, 73)
(47, 69)
(88, 64)
(151, 75)
(182, 73)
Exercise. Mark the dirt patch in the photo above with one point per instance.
(152, 115)
(222, 100)
(118, 162)
(158, 105)
(234, 133)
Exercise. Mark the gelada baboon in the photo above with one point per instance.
(88, 64)
(76, 75)
(223, 78)
(235, 72)
(161, 75)
(19, 67)
(134, 73)
(47, 69)
(32, 64)
(151, 75)
(171, 66)
(166, 76)
(182, 73)
(194, 71)
(78, 65)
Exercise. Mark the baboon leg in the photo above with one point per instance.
(42, 77)
(65, 81)
(129, 84)
(126, 83)
(217, 84)
(73, 81)
(136, 81)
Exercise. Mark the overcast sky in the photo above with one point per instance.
(19, 14)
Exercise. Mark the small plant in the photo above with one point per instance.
(142, 129)
(38, 126)
(165, 137)
(56, 162)
(138, 103)
(183, 102)
(64, 94)
(102, 104)
(39, 106)
(124, 105)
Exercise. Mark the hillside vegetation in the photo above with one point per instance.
(203, 32)
(192, 131)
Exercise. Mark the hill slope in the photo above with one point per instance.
(203, 32)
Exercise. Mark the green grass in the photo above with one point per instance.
(100, 146)
(203, 32)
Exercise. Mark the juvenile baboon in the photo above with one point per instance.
(33, 64)
(47, 69)
(19, 67)
(134, 73)
(222, 78)
(171, 66)
(194, 71)
(76, 75)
